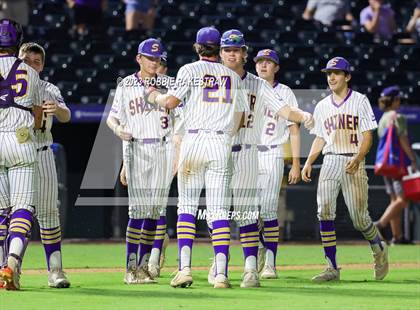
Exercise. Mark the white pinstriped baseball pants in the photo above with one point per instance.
(18, 184)
(270, 175)
(332, 178)
(245, 183)
(148, 167)
(205, 159)
(47, 212)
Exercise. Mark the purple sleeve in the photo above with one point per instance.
(365, 16)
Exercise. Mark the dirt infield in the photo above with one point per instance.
(232, 268)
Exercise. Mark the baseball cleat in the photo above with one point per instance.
(183, 278)
(381, 266)
(268, 272)
(221, 281)
(329, 274)
(261, 258)
(10, 279)
(250, 279)
(130, 277)
(212, 271)
(154, 270)
(144, 277)
(58, 279)
(162, 255)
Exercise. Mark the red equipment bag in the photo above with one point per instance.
(411, 185)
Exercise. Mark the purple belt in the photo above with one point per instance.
(238, 147)
(194, 131)
(265, 148)
(149, 140)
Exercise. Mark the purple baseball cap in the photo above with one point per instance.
(267, 54)
(232, 38)
(391, 91)
(208, 36)
(337, 63)
(151, 47)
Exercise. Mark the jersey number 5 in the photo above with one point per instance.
(21, 85)
(217, 89)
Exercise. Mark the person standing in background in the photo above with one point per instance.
(389, 102)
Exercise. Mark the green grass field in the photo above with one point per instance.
(104, 289)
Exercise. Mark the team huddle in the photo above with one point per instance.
(233, 126)
(218, 127)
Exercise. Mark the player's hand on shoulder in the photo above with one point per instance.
(124, 135)
(352, 165)
(49, 107)
(308, 120)
(294, 174)
(306, 173)
(123, 176)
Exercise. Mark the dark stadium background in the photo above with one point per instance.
(86, 69)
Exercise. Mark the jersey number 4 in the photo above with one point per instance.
(353, 139)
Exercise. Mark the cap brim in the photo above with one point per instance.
(256, 58)
(334, 68)
(231, 45)
(150, 55)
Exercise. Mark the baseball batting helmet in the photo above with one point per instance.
(11, 33)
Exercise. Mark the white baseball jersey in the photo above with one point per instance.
(209, 89)
(261, 95)
(275, 131)
(18, 185)
(48, 92)
(26, 87)
(139, 118)
(341, 124)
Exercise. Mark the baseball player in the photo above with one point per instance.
(343, 127)
(214, 104)
(274, 135)
(260, 96)
(47, 210)
(161, 242)
(145, 133)
(19, 94)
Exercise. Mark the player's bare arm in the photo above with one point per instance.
(123, 176)
(296, 115)
(316, 149)
(37, 112)
(353, 164)
(164, 100)
(62, 114)
(294, 174)
(118, 129)
(405, 144)
(238, 120)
